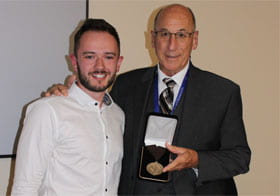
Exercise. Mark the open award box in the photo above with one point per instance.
(154, 155)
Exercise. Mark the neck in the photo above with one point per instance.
(168, 73)
(98, 96)
(171, 73)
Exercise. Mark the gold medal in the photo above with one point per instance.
(154, 168)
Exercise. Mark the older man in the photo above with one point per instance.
(210, 143)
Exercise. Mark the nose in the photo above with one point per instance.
(172, 42)
(99, 63)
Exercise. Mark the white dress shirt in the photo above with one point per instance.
(70, 146)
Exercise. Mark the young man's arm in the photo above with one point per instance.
(34, 149)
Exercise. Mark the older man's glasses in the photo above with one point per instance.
(180, 35)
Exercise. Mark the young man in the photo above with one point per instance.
(74, 145)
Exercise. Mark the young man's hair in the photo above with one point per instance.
(99, 25)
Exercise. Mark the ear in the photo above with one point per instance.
(120, 60)
(74, 62)
(153, 38)
(195, 40)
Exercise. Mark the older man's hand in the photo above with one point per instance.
(60, 89)
(186, 158)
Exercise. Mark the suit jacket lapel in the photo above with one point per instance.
(187, 109)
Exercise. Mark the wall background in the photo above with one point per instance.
(238, 40)
(34, 42)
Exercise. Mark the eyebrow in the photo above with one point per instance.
(107, 53)
(164, 29)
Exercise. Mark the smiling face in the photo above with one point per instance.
(173, 53)
(97, 61)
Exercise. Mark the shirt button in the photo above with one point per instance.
(106, 190)
(106, 162)
(95, 103)
(107, 137)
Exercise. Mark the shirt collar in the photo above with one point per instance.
(84, 99)
(178, 77)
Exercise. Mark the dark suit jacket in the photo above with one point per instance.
(210, 122)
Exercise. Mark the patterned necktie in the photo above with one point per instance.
(166, 96)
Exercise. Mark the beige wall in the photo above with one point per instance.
(6, 175)
(239, 40)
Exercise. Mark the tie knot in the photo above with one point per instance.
(169, 82)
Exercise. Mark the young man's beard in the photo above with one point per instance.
(86, 83)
